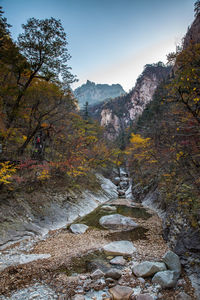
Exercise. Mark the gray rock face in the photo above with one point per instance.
(119, 292)
(117, 222)
(118, 260)
(119, 248)
(172, 261)
(148, 268)
(78, 228)
(166, 279)
(113, 273)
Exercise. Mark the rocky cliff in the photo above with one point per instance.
(119, 113)
(193, 33)
(95, 93)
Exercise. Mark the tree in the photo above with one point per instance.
(44, 46)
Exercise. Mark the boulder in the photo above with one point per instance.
(117, 222)
(148, 268)
(144, 297)
(172, 261)
(166, 279)
(119, 248)
(113, 273)
(109, 208)
(119, 292)
(118, 260)
(97, 274)
(78, 228)
(183, 296)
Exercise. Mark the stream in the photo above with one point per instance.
(69, 266)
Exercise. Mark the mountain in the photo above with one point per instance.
(119, 113)
(95, 93)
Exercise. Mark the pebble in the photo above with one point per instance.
(35, 292)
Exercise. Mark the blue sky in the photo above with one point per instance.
(110, 41)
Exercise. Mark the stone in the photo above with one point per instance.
(144, 297)
(166, 279)
(117, 222)
(123, 185)
(183, 296)
(119, 292)
(172, 261)
(109, 208)
(79, 297)
(78, 228)
(97, 274)
(141, 280)
(121, 193)
(148, 268)
(116, 180)
(113, 273)
(109, 280)
(119, 248)
(118, 260)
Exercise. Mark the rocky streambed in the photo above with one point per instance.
(96, 257)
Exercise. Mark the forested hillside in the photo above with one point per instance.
(42, 135)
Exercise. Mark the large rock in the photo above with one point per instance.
(97, 274)
(118, 260)
(119, 292)
(117, 222)
(166, 279)
(78, 228)
(172, 261)
(148, 268)
(119, 248)
(113, 273)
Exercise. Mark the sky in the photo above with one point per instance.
(110, 41)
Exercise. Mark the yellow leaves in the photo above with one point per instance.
(6, 171)
(138, 141)
(44, 175)
(179, 155)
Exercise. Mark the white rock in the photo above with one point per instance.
(78, 228)
(117, 222)
(119, 248)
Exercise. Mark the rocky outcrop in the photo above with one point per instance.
(116, 115)
(193, 34)
(95, 93)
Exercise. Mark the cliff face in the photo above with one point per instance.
(95, 93)
(121, 112)
(193, 33)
